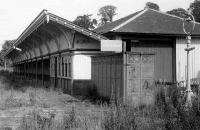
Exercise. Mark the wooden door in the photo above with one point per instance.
(140, 78)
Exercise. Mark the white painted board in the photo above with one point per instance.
(111, 45)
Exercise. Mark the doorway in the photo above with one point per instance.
(140, 78)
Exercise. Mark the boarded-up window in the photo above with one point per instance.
(58, 66)
(63, 66)
(69, 70)
(66, 69)
(67, 66)
(52, 70)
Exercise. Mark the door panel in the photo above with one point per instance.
(140, 78)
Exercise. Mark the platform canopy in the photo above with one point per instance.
(45, 27)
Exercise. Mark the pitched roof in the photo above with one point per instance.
(148, 21)
(45, 16)
(110, 26)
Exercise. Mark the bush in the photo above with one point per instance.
(175, 114)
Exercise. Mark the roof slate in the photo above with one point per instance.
(110, 26)
(148, 22)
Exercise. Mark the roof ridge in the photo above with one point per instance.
(165, 13)
(129, 20)
(170, 15)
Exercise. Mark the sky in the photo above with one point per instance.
(16, 15)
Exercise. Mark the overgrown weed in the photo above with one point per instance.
(168, 112)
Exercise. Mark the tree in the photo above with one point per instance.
(85, 21)
(152, 5)
(106, 13)
(195, 8)
(180, 12)
(6, 45)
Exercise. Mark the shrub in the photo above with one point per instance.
(175, 114)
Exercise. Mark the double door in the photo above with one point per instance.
(140, 78)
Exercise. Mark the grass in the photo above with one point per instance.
(39, 107)
(33, 108)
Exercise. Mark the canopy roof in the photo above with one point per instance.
(148, 21)
(46, 17)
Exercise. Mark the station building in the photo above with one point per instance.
(57, 53)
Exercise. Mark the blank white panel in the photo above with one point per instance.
(81, 67)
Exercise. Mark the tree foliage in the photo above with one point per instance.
(7, 44)
(106, 14)
(180, 12)
(85, 21)
(1, 59)
(195, 8)
(152, 5)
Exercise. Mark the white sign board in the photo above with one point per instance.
(111, 45)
